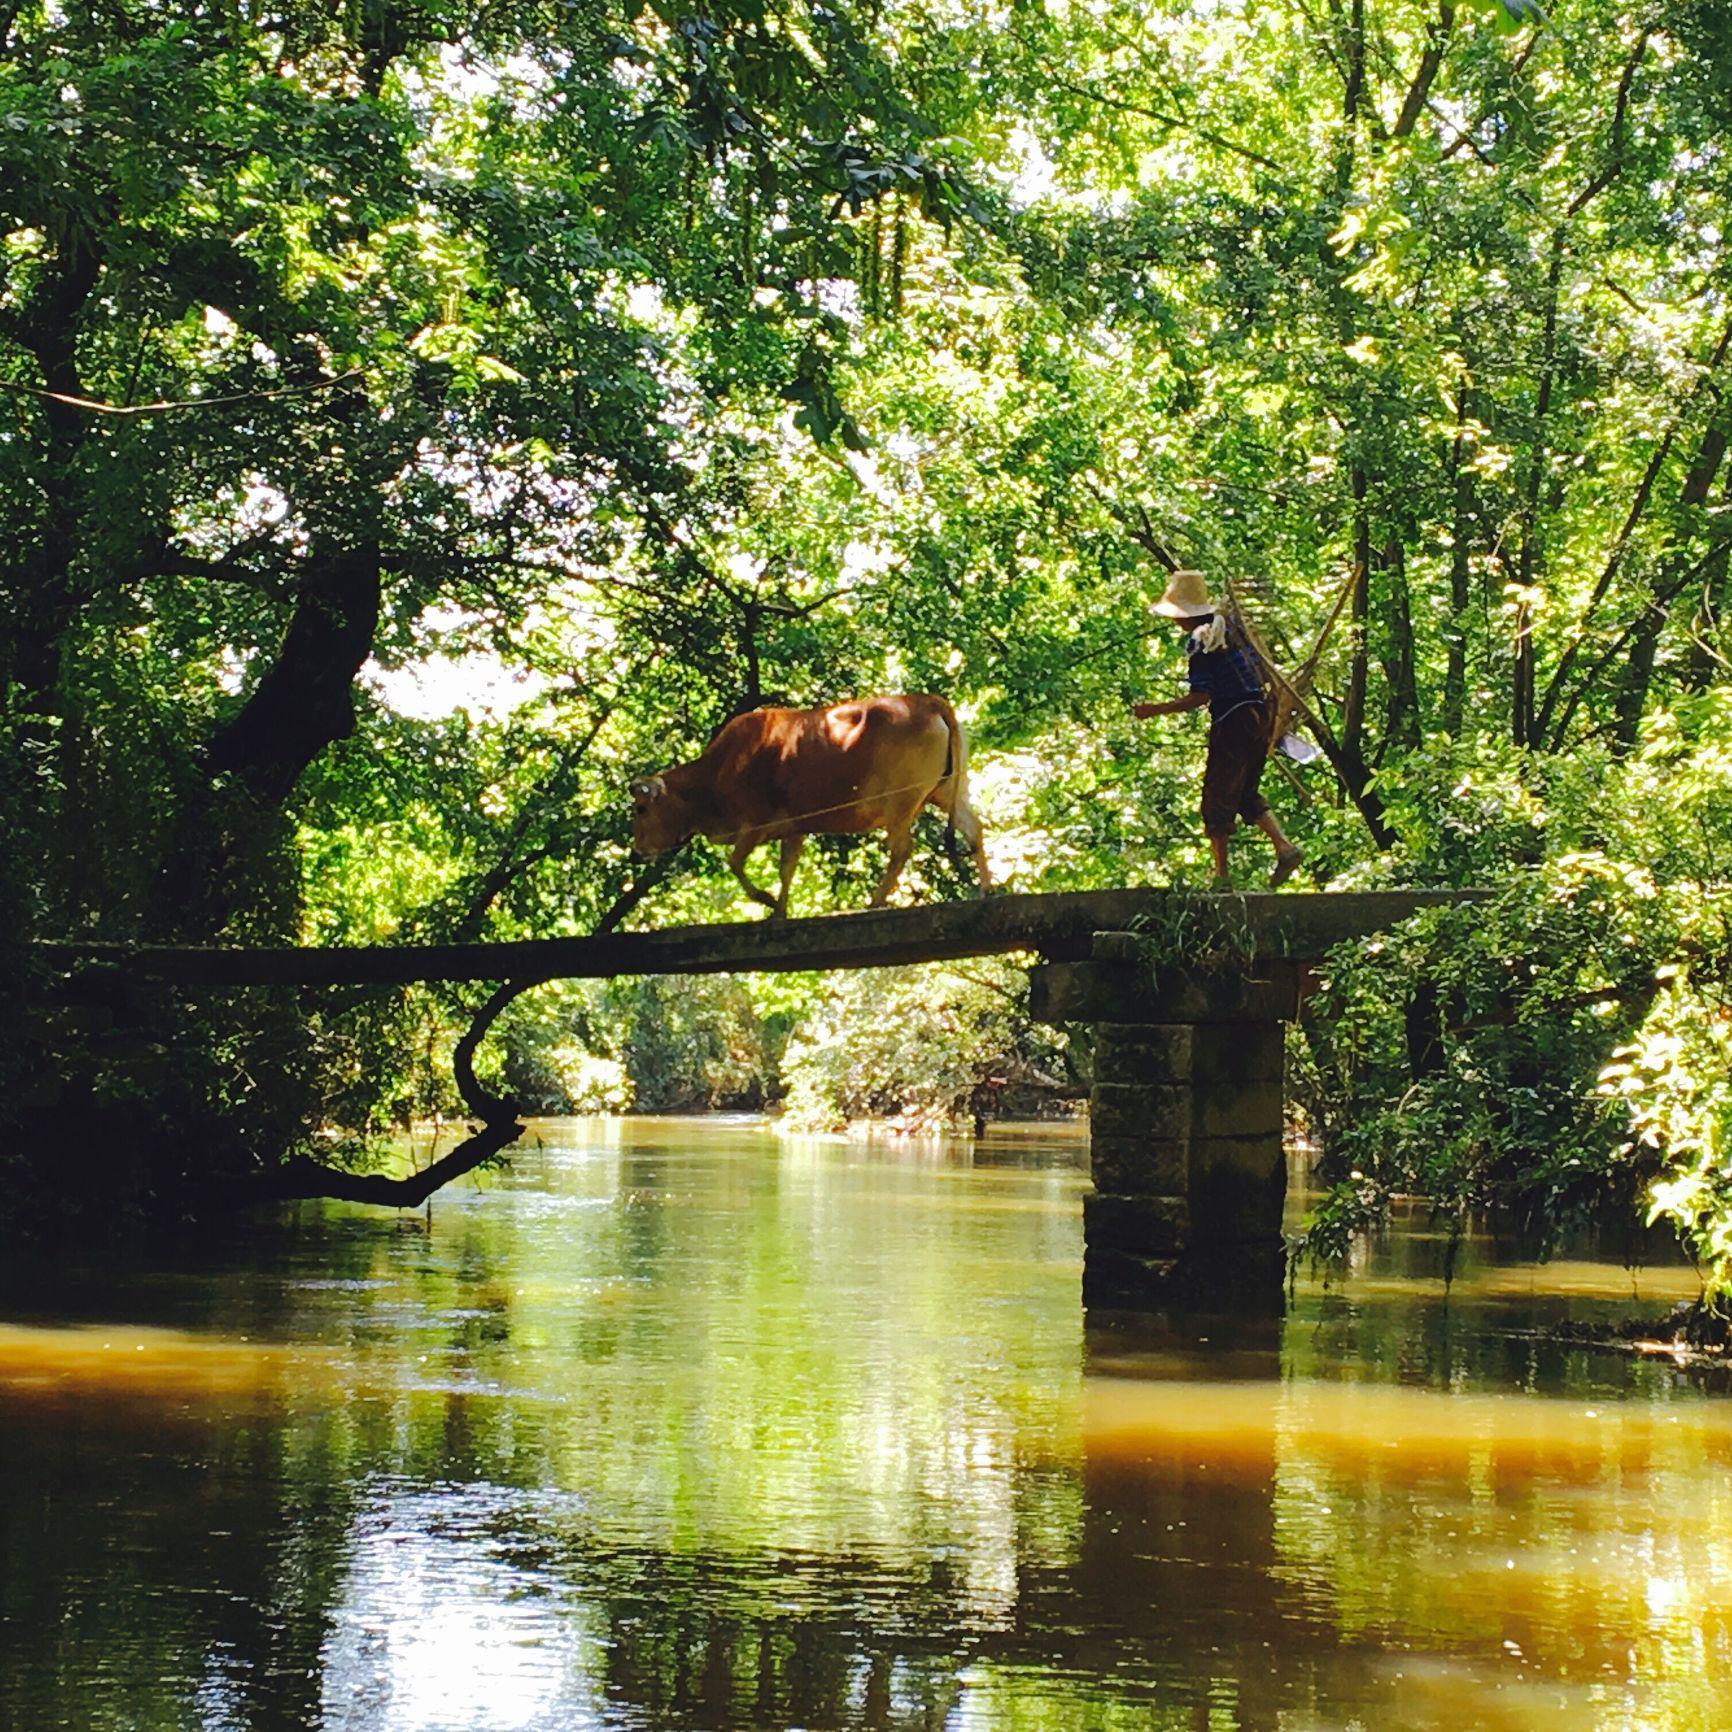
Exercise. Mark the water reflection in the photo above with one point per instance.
(683, 1426)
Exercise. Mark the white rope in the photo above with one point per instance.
(770, 828)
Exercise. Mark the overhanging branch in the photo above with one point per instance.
(305, 1177)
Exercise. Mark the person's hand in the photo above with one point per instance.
(1147, 711)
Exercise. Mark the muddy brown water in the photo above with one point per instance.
(684, 1425)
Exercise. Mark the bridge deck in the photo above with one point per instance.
(1301, 925)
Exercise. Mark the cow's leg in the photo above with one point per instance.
(737, 865)
(791, 846)
(901, 840)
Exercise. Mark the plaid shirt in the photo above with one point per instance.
(1229, 677)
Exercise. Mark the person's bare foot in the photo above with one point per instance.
(1286, 864)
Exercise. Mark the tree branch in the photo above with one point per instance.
(1177, 122)
(1695, 491)
(510, 865)
(1620, 113)
(1517, 67)
(305, 1177)
(1142, 532)
(1429, 62)
(1662, 598)
(634, 893)
(91, 406)
(226, 568)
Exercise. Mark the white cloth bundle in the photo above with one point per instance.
(1213, 636)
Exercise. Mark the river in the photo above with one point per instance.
(679, 1424)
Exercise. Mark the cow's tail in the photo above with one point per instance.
(960, 815)
(955, 776)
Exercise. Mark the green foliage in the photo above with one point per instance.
(1463, 1057)
(556, 1053)
(1468, 1057)
(925, 1046)
(546, 384)
(687, 1044)
(1676, 1079)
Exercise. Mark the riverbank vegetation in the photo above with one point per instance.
(420, 419)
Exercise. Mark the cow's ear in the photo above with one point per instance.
(648, 788)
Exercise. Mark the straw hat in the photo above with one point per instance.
(1187, 596)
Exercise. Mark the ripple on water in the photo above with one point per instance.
(686, 1426)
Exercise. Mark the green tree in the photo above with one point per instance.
(682, 359)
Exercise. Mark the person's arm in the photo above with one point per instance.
(1172, 707)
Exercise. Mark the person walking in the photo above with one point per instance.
(1225, 674)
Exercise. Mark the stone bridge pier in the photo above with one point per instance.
(1185, 1123)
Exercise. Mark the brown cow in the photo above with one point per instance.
(783, 775)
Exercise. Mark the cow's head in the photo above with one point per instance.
(659, 819)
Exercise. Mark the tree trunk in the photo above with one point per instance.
(1355, 776)
(1422, 1025)
(1460, 596)
(1358, 609)
(1707, 658)
(1522, 669)
(1638, 673)
(1522, 675)
(305, 701)
(752, 694)
(1353, 94)
(1405, 722)
(226, 851)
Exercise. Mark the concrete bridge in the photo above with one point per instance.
(1186, 996)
